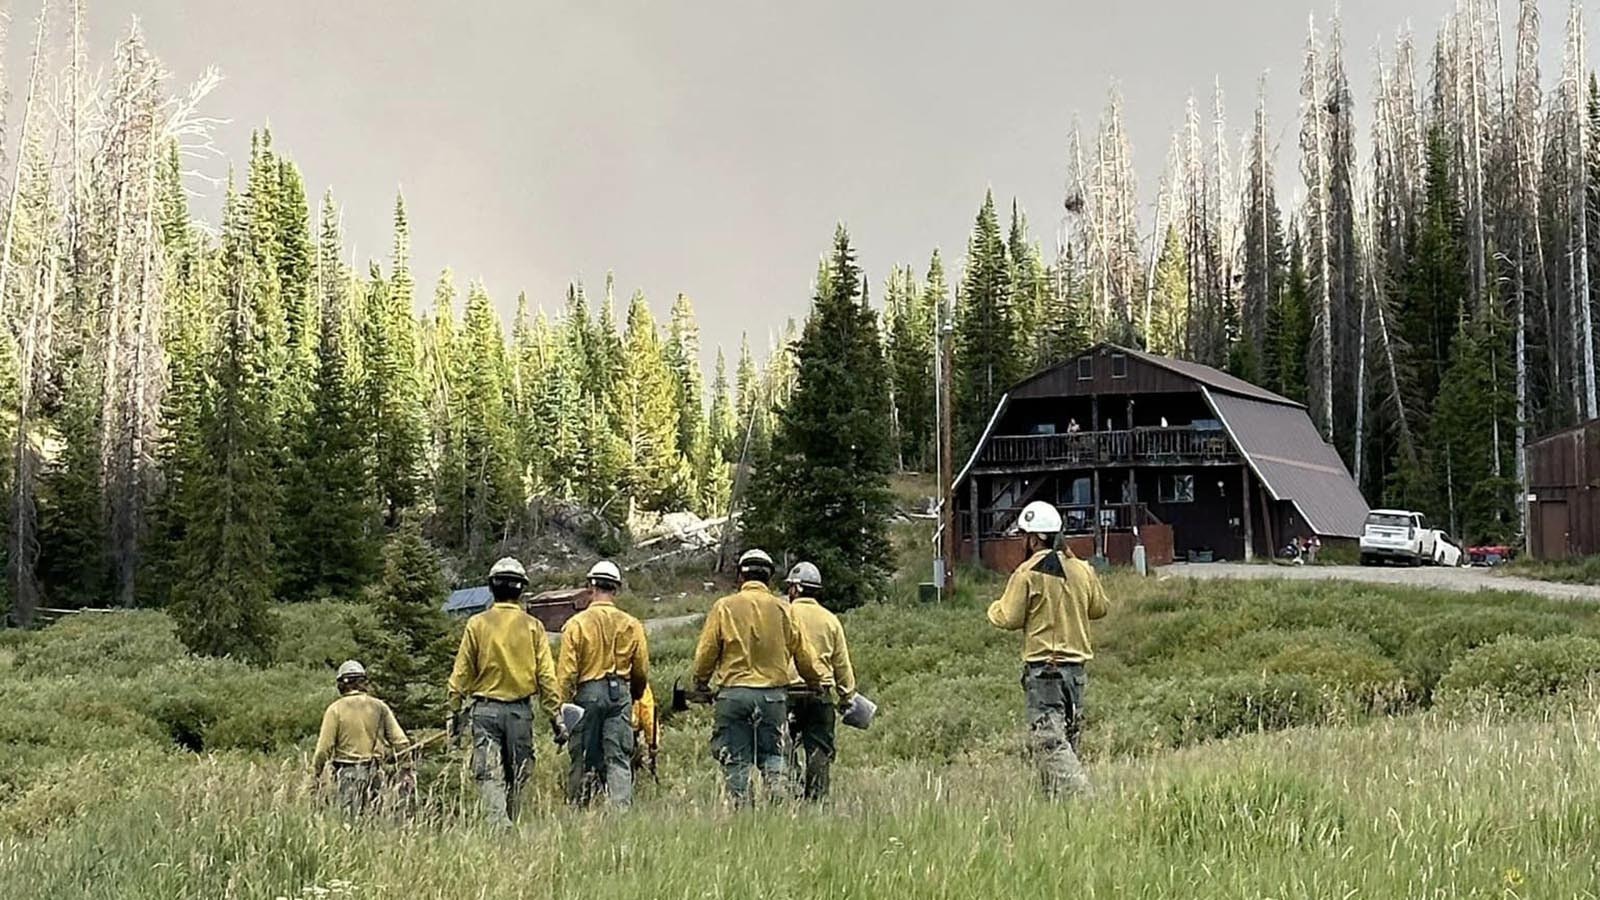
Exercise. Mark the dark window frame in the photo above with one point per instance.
(1168, 489)
(1086, 368)
(1119, 365)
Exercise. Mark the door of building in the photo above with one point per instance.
(1553, 528)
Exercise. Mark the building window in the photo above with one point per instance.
(1085, 368)
(1119, 365)
(1082, 495)
(1177, 489)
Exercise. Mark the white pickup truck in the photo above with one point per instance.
(1398, 535)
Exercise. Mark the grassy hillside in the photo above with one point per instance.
(1249, 739)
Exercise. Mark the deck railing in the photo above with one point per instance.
(1074, 519)
(1087, 449)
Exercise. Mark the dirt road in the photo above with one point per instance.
(1464, 580)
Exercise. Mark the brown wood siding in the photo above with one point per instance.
(1142, 378)
(1564, 479)
(1005, 554)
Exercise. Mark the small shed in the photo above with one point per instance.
(552, 608)
(468, 601)
(1564, 492)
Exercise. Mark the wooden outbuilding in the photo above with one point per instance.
(1564, 493)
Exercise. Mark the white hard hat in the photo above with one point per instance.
(806, 575)
(1039, 517)
(605, 570)
(509, 567)
(351, 669)
(755, 557)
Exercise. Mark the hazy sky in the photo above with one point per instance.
(709, 146)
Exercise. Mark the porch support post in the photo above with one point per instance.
(1099, 546)
(1249, 534)
(977, 520)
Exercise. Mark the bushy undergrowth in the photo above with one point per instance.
(1583, 570)
(108, 705)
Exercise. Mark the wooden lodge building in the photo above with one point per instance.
(1136, 448)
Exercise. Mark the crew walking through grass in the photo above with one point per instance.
(747, 647)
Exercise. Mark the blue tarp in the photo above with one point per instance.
(468, 600)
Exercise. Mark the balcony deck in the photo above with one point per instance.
(1179, 446)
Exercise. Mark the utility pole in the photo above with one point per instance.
(944, 557)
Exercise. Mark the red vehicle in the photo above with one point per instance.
(1491, 554)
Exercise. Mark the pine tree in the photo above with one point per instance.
(391, 385)
(831, 455)
(1434, 283)
(722, 422)
(301, 306)
(1169, 315)
(409, 657)
(1475, 489)
(492, 500)
(1263, 251)
(683, 357)
(647, 409)
(750, 402)
(910, 354)
(445, 416)
(987, 357)
(1030, 295)
(331, 543)
(555, 410)
(1288, 332)
(221, 601)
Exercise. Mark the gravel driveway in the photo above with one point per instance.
(1468, 580)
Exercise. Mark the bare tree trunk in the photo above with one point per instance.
(1314, 143)
(1580, 199)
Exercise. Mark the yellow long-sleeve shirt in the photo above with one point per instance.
(825, 635)
(355, 729)
(645, 723)
(599, 641)
(505, 655)
(749, 640)
(1051, 598)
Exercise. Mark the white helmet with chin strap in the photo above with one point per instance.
(756, 558)
(806, 575)
(605, 574)
(1039, 517)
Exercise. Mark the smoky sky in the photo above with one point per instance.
(710, 146)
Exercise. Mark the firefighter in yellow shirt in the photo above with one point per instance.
(604, 667)
(357, 731)
(503, 661)
(1050, 598)
(812, 717)
(748, 643)
(646, 732)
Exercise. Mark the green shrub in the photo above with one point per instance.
(1185, 711)
(101, 644)
(1439, 642)
(1519, 674)
(321, 633)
